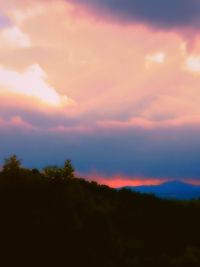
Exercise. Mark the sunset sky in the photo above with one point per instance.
(114, 85)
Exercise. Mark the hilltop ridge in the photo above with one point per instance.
(53, 218)
(175, 189)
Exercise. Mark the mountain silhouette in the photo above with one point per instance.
(170, 190)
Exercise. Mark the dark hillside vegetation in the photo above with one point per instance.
(51, 218)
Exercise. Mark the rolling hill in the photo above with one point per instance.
(170, 190)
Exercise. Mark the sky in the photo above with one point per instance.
(114, 85)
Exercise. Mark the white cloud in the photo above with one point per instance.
(192, 64)
(32, 82)
(21, 15)
(158, 58)
(14, 37)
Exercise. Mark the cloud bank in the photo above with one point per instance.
(135, 89)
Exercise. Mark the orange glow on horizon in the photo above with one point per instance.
(117, 181)
(121, 181)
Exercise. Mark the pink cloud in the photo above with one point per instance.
(102, 67)
(150, 124)
(16, 122)
(73, 129)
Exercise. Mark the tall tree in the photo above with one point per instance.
(68, 169)
(11, 164)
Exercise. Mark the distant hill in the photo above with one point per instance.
(170, 190)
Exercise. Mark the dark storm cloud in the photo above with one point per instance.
(159, 13)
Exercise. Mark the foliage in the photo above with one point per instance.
(53, 172)
(68, 169)
(11, 164)
(56, 173)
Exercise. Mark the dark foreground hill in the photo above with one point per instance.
(170, 190)
(54, 219)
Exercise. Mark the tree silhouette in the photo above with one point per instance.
(11, 164)
(53, 172)
(58, 173)
(68, 169)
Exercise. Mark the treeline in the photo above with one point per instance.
(52, 218)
